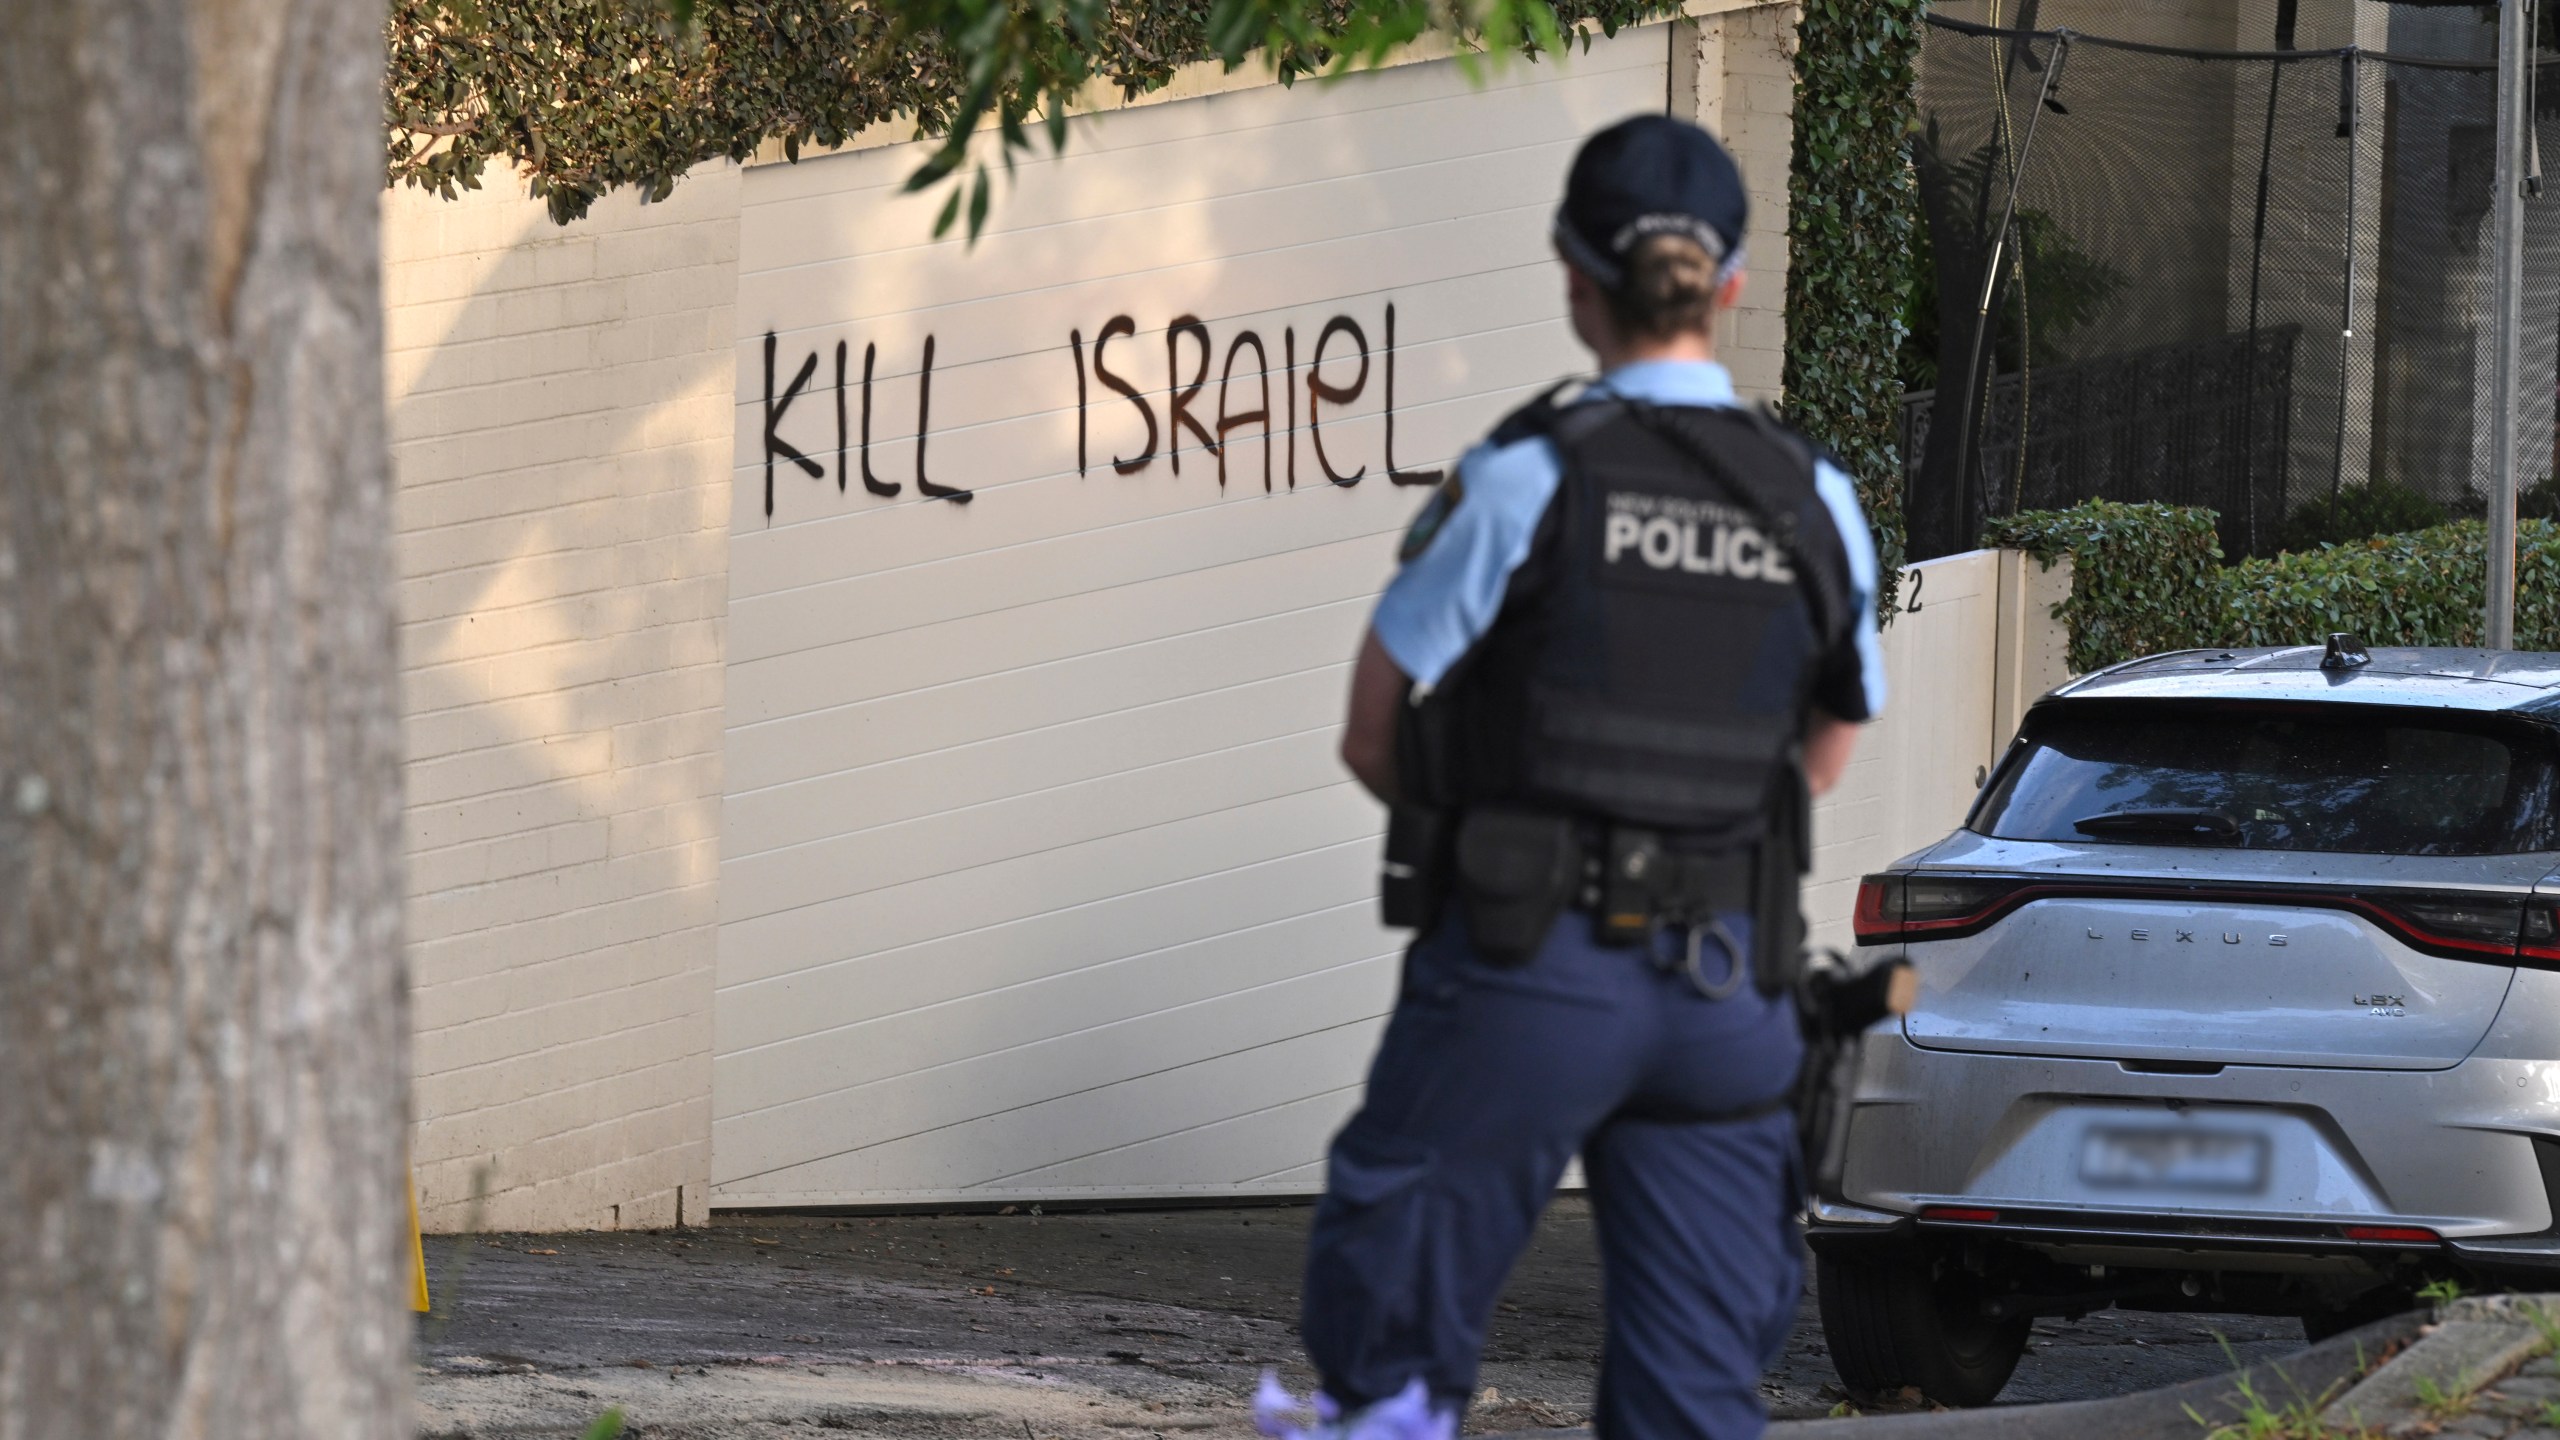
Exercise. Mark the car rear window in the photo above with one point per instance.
(2328, 778)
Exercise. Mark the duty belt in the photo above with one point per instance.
(1639, 887)
(1633, 879)
(1518, 869)
(1635, 885)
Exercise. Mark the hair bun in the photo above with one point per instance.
(1670, 288)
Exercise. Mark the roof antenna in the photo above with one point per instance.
(2345, 652)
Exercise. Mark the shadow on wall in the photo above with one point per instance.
(560, 408)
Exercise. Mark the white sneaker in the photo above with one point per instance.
(1408, 1415)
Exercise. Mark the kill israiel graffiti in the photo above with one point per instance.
(1341, 343)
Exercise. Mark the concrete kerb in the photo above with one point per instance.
(2328, 1368)
(2474, 1343)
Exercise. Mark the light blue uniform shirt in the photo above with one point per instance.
(1445, 598)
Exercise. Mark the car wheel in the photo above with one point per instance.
(2372, 1305)
(1891, 1325)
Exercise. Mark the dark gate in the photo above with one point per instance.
(2251, 276)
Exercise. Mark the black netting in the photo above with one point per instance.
(2245, 271)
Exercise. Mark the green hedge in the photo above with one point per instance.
(2148, 578)
(1851, 218)
(2140, 575)
(2427, 587)
(2378, 507)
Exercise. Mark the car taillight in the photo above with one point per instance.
(1960, 1214)
(2471, 924)
(1924, 906)
(1898, 907)
(1878, 918)
(1938, 904)
(2541, 940)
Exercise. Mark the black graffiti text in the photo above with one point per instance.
(1176, 407)
(777, 405)
(1338, 372)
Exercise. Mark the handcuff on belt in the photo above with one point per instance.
(1737, 965)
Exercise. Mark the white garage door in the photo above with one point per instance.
(1040, 877)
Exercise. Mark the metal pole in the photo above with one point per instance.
(2351, 120)
(2257, 266)
(1966, 465)
(2515, 50)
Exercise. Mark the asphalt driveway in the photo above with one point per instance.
(1100, 1323)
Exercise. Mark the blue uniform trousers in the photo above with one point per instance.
(1487, 1083)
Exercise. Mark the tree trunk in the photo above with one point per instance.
(203, 1025)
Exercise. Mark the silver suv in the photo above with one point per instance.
(2239, 992)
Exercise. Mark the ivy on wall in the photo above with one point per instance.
(2149, 578)
(1852, 218)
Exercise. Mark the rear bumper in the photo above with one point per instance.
(2471, 1153)
(2165, 1244)
(2520, 1260)
(2129, 1243)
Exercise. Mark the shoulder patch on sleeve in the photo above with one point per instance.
(1434, 514)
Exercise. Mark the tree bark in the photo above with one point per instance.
(203, 1025)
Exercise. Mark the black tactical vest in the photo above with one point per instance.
(1653, 658)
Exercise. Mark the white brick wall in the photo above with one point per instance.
(560, 406)
(1738, 70)
(560, 423)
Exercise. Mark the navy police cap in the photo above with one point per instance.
(1650, 175)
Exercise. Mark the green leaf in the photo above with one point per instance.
(1543, 30)
(933, 171)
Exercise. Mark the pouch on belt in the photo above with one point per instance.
(1517, 870)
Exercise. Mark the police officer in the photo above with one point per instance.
(1629, 638)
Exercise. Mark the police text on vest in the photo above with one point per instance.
(1699, 537)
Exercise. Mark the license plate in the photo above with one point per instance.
(2175, 1159)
